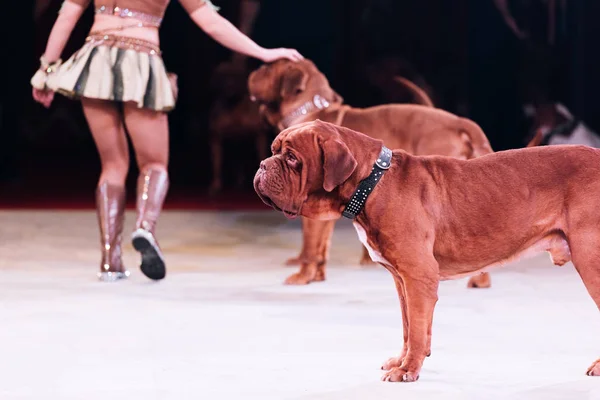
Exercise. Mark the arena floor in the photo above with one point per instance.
(222, 325)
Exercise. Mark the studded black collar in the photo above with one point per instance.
(366, 186)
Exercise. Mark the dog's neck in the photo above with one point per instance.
(367, 185)
(378, 202)
(366, 151)
(316, 104)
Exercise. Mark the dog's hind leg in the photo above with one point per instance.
(585, 252)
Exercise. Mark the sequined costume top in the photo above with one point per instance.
(149, 11)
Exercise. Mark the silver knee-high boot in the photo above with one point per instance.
(110, 207)
(153, 185)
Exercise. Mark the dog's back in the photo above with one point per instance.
(539, 188)
(420, 130)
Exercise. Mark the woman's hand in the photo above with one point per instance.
(270, 55)
(44, 97)
(229, 36)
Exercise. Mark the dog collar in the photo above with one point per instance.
(316, 104)
(366, 186)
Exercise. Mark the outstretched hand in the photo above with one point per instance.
(270, 55)
(44, 97)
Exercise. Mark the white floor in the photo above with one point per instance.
(222, 326)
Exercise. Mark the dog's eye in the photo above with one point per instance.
(291, 159)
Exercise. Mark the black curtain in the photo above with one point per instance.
(585, 75)
(17, 29)
(493, 76)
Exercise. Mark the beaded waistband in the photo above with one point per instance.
(127, 13)
(123, 42)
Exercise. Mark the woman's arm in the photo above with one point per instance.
(68, 16)
(229, 36)
(61, 31)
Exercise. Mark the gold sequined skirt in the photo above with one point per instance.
(117, 68)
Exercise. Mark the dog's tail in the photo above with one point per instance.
(476, 142)
(536, 140)
(418, 93)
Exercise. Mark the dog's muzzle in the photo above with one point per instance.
(266, 188)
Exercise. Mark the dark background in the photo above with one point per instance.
(462, 50)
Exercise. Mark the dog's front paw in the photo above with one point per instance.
(398, 374)
(481, 281)
(594, 370)
(393, 362)
(300, 279)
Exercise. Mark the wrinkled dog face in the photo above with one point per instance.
(283, 86)
(309, 162)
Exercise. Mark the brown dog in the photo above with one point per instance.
(433, 218)
(290, 93)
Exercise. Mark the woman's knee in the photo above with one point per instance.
(114, 158)
(114, 172)
(151, 158)
(152, 166)
(151, 148)
(150, 155)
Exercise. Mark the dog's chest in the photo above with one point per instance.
(374, 254)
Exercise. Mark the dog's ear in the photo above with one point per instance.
(260, 85)
(254, 84)
(338, 163)
(293, 82)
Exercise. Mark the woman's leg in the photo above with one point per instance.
(149, 132)
(106, 124)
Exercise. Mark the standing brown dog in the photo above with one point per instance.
(427, 219)
(291, 93)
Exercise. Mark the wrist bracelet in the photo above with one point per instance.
(49, 67)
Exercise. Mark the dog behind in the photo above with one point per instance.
(290, 93)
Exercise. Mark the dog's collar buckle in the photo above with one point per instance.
(366, 186)
(384, 159)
